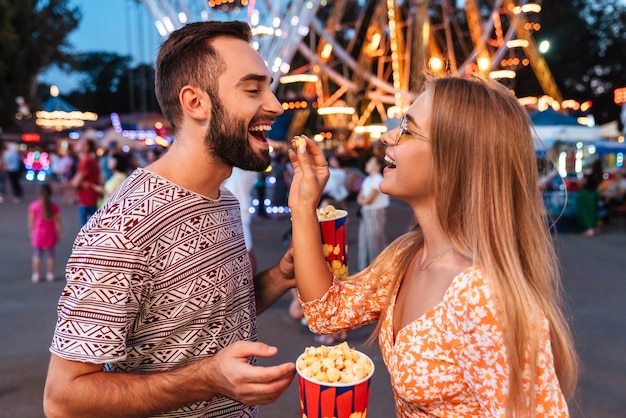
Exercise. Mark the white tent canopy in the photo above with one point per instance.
(550, 126)
(609, 130)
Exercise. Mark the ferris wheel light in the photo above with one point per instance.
(517, 43)
(435, 63)
(527, 8)
(527, 101)
(160, 27)
(531, 8)
(168, 24)
(328, 48)
(336, 110)
(375, 129)
(298, 78)
(502, 74)
(544, 46)
(483, 63)
(182, 17)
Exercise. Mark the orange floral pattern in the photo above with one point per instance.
(450, 362)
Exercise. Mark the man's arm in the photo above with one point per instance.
(76, 389)
(271, 284)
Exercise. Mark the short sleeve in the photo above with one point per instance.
(353, 302)
(107, 279)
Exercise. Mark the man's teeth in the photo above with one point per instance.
(261, 128)
(389, 160)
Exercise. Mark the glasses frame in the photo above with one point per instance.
(404, 129)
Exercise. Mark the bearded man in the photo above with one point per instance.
(158, 316)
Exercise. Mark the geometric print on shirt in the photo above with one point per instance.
(158, 277)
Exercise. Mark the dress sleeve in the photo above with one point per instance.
(351, 303)
(107, 280)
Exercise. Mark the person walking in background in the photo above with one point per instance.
(14, 168)
(158, 315)
(468, 305)
(44, 226)
(3, 190)
(588, 198)
(68, 165)
(86, 181)
(240, 183)
(335, 188)
(118, 165)
(261, 187)
(282, 173)
(373, 210)
(105, 161)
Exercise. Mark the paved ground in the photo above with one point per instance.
(595, 286)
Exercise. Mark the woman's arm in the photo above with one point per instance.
(310, 176)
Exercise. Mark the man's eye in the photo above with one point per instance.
(254, 91)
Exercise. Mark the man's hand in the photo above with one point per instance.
(76, 389)
(235, 378)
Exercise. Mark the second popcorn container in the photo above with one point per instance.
(337, 399)
(333, 224)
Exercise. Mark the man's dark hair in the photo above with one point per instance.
(187, 58)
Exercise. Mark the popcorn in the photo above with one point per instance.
(329, 212)
(297, 141)
(339, 364)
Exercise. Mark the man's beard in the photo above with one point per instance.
(227, 140)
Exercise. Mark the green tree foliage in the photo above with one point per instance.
(33, 36)
(587, 56)
(109, 84)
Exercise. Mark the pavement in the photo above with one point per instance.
(594, 271)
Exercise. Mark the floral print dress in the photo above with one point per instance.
(451, 361)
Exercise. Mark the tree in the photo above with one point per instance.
(109, 85)
(587, 56)
(33, 36)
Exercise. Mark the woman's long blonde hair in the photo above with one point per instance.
(488, 203)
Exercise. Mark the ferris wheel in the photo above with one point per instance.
(370, 55)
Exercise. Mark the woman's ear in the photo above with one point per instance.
(195, 103)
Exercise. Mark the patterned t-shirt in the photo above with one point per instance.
(158, 277)
(449, 362)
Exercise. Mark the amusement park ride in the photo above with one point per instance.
(362, 61)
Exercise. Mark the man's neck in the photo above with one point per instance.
(194, 171)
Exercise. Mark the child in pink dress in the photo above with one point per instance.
(44, 225)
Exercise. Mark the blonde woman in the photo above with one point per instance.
(468, 303)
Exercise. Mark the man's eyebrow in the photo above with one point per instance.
(261, 78)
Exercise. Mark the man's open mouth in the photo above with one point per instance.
(260, 131)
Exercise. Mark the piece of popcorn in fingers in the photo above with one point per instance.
(297, 141)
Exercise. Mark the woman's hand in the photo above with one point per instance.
(310, 173)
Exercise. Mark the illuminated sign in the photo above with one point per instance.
(620, 95)
(31, 137)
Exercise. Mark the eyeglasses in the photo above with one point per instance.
(403, 129)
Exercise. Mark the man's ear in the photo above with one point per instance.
(195, 102)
